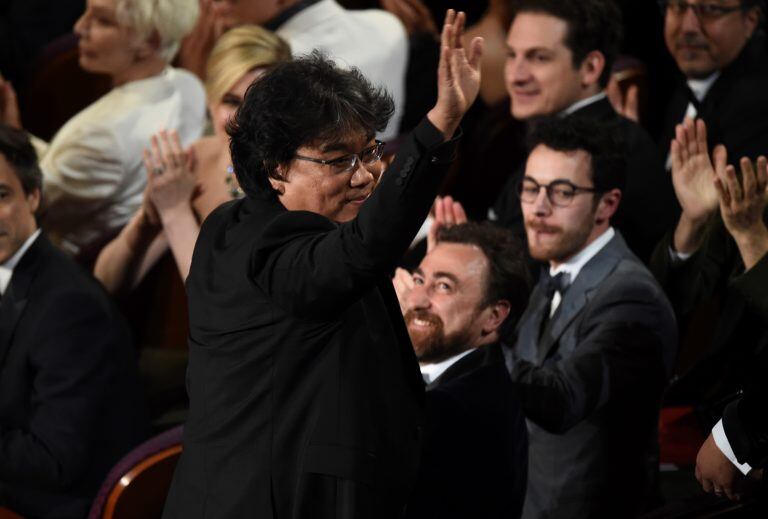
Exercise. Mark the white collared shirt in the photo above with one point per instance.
(578, 105)
(431, 372)
(574, 265)
(721, 440)
(6, 269)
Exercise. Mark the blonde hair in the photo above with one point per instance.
(239, 51)
(170, 19)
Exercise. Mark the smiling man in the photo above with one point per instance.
(721, 50)
(559, 59)
(305, 396)
(595, 345)
(475, 448)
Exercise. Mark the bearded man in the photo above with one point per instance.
(455, 303)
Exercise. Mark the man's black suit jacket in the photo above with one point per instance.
(648, 206)
(70, 402)
(735, 108)
(299, 360)
(475, 454)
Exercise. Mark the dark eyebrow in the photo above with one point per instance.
(341, 146)
(418, 271)
(447, 275)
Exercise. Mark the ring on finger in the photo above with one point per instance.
(158, 170)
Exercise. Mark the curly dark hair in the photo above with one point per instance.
(508, 277)
(302, 102)
(17, 149)
(601, 140)
(592, 25)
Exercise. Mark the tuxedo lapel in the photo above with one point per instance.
(580, 292)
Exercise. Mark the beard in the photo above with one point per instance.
(560, 246)
(430, 343)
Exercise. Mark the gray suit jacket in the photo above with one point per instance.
(591, 389)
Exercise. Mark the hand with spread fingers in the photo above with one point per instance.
(458, 75)
(447, 213)
(692, 177)
(742, 206)
(171, 181)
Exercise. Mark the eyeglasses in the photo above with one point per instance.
(704, 11)
(559, 192)
(369, 156)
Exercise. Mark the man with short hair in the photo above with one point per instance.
(372, 40)
(560, 54)
(595, 346)
(721, 50)
(70, 402)
(455, 303)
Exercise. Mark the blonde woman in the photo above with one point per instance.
(185, 186)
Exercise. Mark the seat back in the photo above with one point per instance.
(138, 485)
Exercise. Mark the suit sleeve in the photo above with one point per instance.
(70, 374)
(312, 267)
(620, 352)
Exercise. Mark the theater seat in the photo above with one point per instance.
(8, 514)
(138, 484)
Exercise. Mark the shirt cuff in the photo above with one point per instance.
(679, 257)
(721, 440)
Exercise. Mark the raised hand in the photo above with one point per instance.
(9, 105)
(170, 180)
(415, 16)
(198, 44)
(742, 204)
(626, 104)
(447, 213)
(458, 75)
(403, 283)
(692, 170)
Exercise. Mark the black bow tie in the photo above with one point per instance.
(557, 283)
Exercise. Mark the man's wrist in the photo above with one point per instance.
(446, 125)
(689, 234)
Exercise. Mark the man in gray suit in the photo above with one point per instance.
(595, 346)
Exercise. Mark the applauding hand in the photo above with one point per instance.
(170, 180)
(447, 213)
(458, 75)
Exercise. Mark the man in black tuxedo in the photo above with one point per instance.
(305, 396)
(596, 344)
(719, 252)
(721, 51)
(559, 62)
(70, 404)
(475, 446)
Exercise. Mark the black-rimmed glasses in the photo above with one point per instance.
(369, 156)
(703, 10)
(559, 192)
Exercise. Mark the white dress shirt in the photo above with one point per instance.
(578, 105)
(93, 173)
(431, 372)
(6, 269)
(372, 40)
(573, 266)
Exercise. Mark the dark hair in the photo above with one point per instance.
(20, 154)
(592, 25)
(306, 101)
(508, 276)
(601, 140)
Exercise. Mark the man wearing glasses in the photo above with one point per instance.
(720, 48)
(596, 343)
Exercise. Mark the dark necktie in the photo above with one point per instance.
(551, 284)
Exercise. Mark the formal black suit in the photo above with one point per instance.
(735, 108)
(648, 206)
(305, 394)
(591, 384)
(70, 403)
(475, 454)
(735, 354)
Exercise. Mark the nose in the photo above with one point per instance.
(79, 27)
(418, 298)
(361, 176)
(519, 72)
(542, 206)
(690, 21)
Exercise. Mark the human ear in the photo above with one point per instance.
(278, 184)
(497, 313)
(609, 203)
(592, 68)
(33, 199)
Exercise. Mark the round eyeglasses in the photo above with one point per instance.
(346, 163)
(705, 11)
(559, 192)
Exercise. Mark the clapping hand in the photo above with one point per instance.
(692, 170)
(447, 213)
(197, 45)
(170, 176)
(403, 283)
(9, 105)
(742, 204)
(458, 75)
